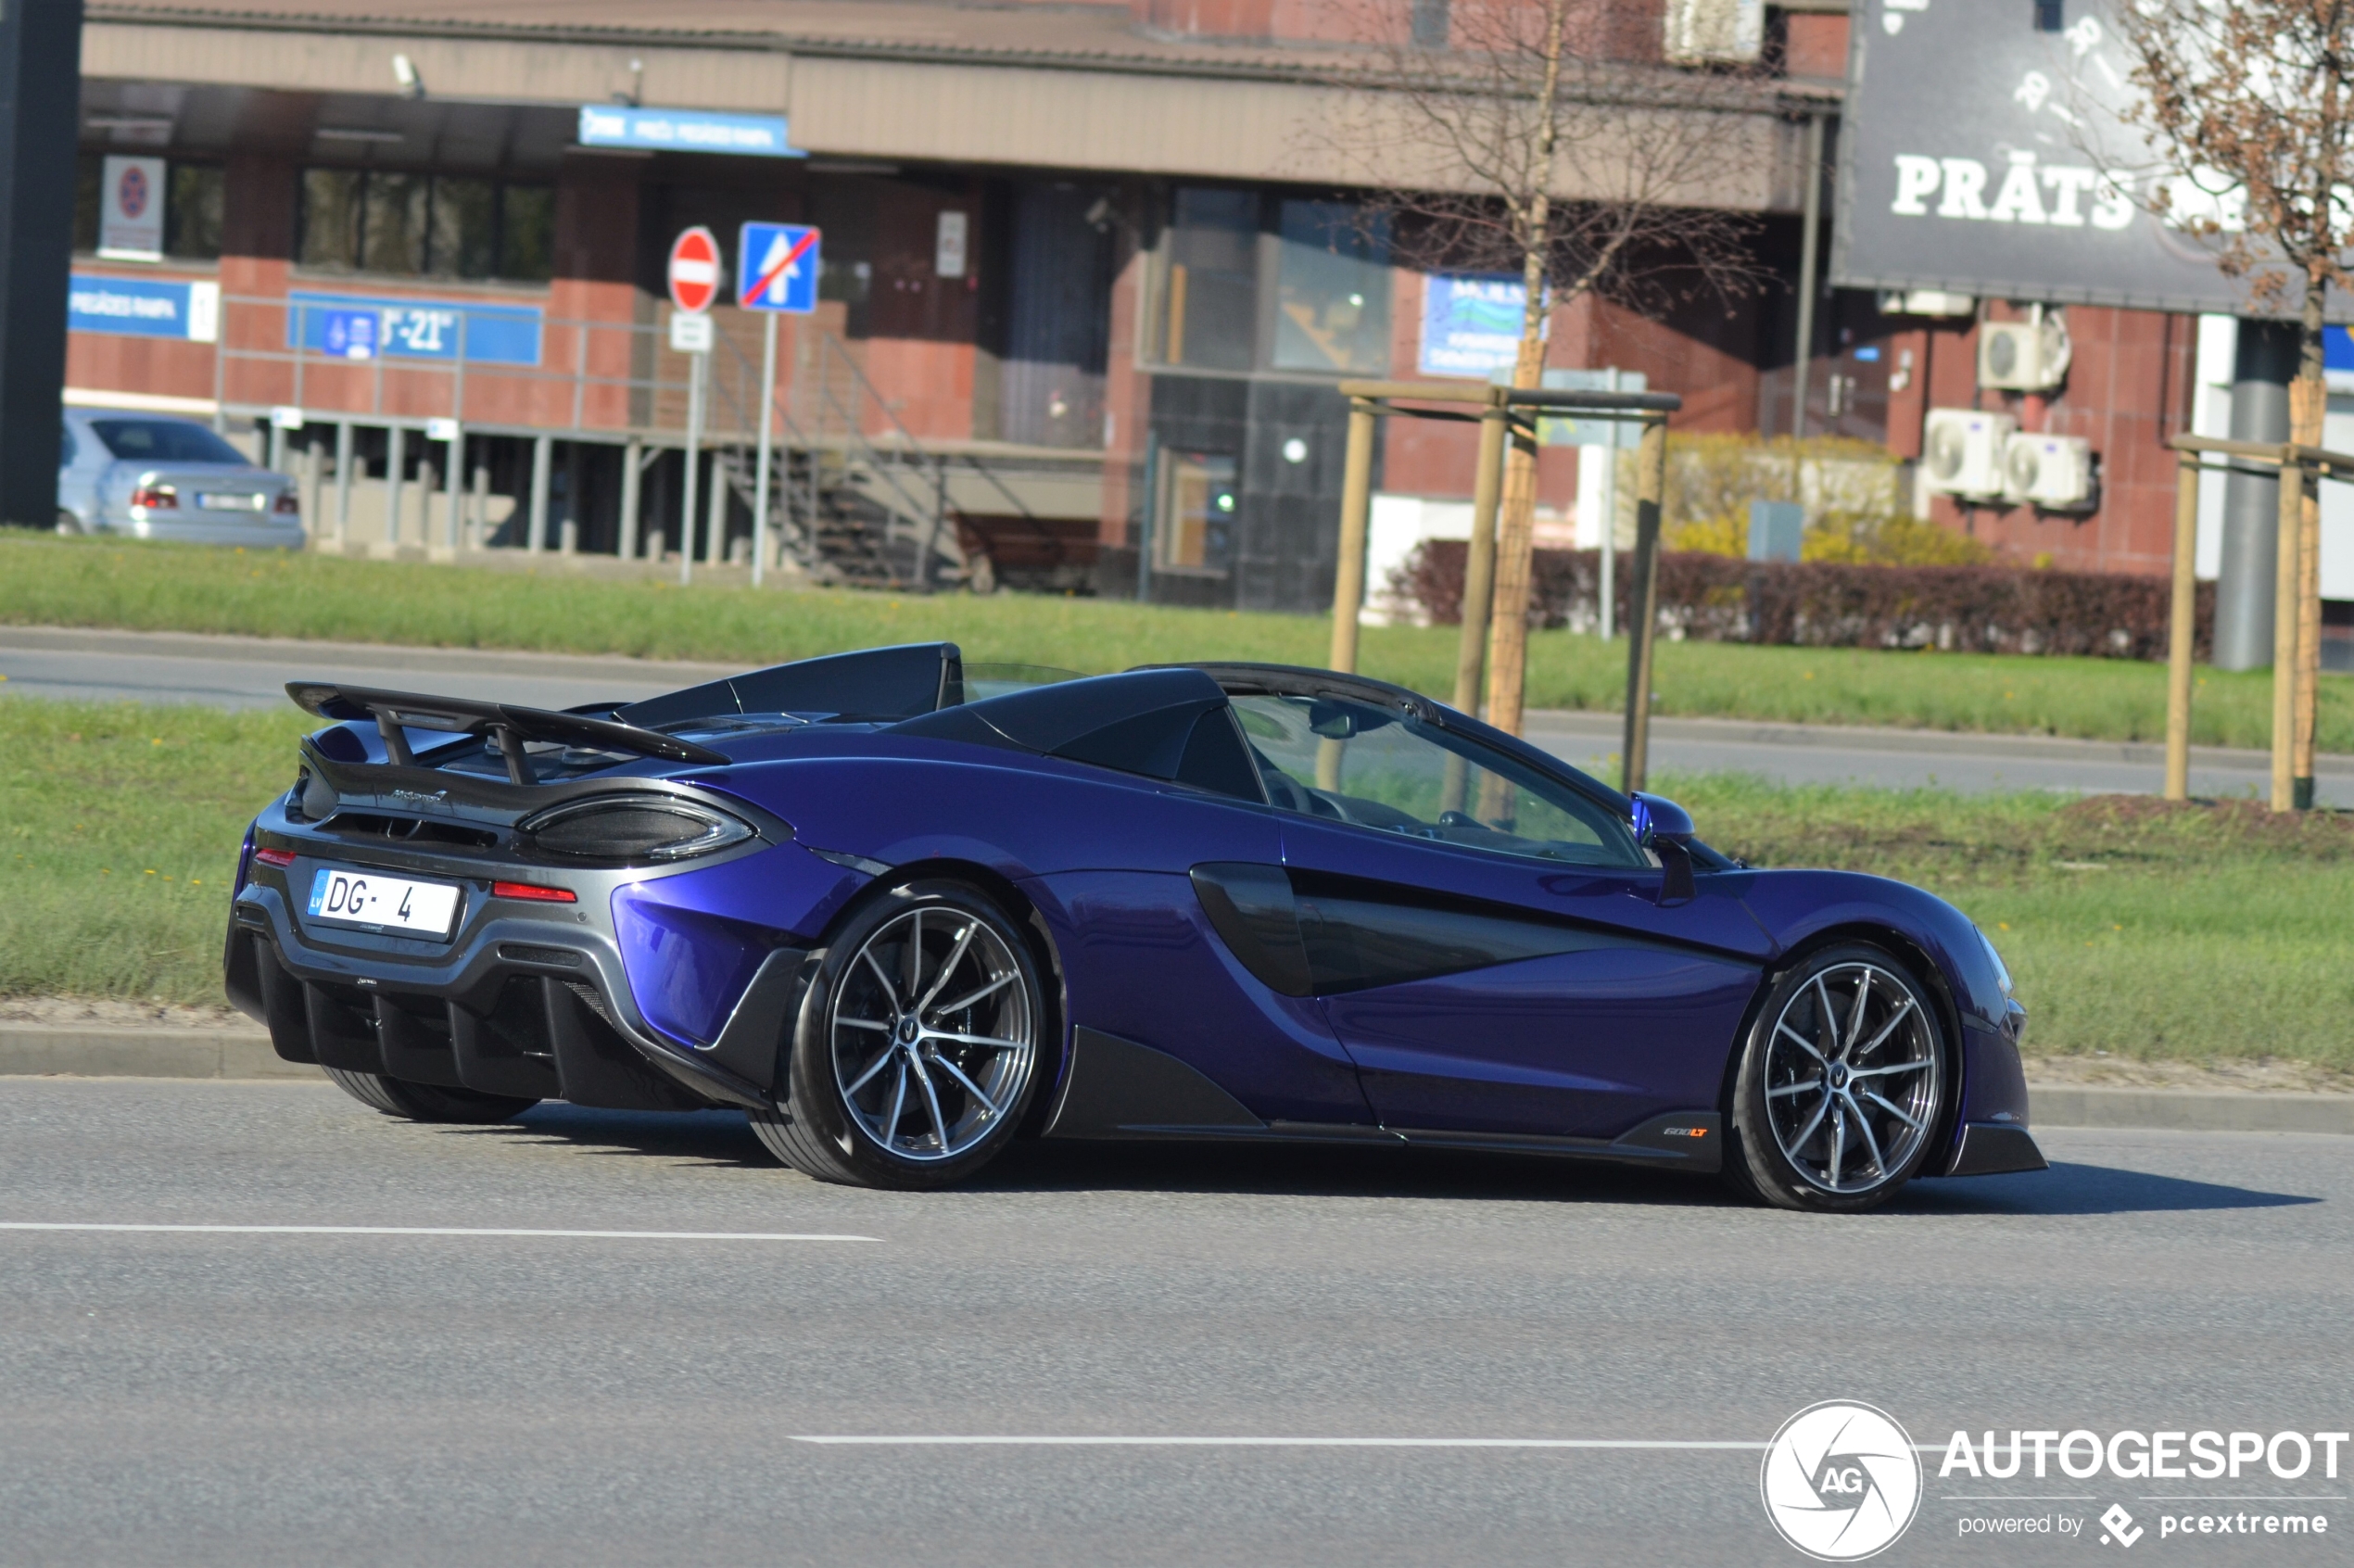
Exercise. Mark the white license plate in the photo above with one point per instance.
(211, 502)
(369, 898)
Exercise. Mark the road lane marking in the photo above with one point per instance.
(1079, 1441)
(434, 1231)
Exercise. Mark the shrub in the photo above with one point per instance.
(1837, 605)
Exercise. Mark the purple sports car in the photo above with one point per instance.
(903, 910)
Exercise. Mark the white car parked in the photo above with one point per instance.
(152, 476)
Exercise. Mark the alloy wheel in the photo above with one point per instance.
(933, 1034)
(1852, 1079)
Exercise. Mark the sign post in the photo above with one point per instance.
(777, 272)
(694, 284)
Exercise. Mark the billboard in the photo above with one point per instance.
(143, 308)
(1983, 155)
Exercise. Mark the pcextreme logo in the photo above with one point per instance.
(1840, 1481)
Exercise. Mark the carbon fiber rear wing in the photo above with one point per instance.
(394, 711)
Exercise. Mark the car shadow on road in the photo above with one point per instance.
(2070, 1188)
(689, 1138)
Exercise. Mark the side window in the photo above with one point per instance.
(67, 461)
(1356, 762)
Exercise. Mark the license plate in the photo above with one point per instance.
(211, 502)
(369, 898)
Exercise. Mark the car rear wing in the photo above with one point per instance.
(511, 726)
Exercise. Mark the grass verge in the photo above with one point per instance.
(2206, 932)
(175, 588)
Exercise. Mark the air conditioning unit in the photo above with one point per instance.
(2050, 473)
(1716, 32)
(2022, 356)
(1962, 452)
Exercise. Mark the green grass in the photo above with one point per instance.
(2195, 933)
(164, 587)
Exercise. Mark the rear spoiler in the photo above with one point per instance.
(393, 711)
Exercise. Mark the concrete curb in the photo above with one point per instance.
(2193, 1111)
(93, 1051)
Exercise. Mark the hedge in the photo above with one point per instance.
(1819, 604)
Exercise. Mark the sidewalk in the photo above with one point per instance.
(85, 1051)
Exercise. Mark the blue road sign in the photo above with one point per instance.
(776, 268)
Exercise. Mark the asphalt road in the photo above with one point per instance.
(251, 672)
(194, 1396)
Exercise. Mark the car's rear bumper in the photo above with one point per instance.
(529, 1006)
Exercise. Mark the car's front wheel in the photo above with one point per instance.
(1842, 1083)
(426, 1102)
(918, 1047)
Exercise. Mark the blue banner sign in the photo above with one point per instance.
(143, 308)
(659, 130)
(349, 327)
(1471, 326)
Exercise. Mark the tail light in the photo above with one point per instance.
(532, 893)
(156, 498)
(281, 858)
(289, 503)
(632, 830)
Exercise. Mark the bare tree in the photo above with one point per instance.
(1533, 141)
(2249, 107)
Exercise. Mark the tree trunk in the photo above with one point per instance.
(2309, 401)
(1516, 527)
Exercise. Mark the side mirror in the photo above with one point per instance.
(1658, 819)
(1666, 829)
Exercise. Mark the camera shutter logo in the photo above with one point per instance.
(1840, 1481)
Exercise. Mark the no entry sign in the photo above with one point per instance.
(694, 270)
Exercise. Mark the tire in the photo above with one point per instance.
(1843, 1084)
(426, 1102)
(880, 1092)
(69, 524)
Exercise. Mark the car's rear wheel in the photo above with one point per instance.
(426, 1102)
(918, 1050)
(1842, 1084)
(67, 523)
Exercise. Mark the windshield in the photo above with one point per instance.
(165, 440)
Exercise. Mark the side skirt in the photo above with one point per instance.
(1118, 1089)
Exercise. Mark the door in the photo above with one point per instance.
(1488, 942)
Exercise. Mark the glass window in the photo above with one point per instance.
(330, 218)
(1196, 512)
(1210, 310)
(164, 440)
(1358, 763)
(527, 232)
(193, 212)
(465, 228)
(392, 226)
(1333, 289)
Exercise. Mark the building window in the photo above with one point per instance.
(1196, 517)
(1211, 312)
(1327, 263)
(194, 198)
(420, 225)
(1332, 293)
(1430, 24)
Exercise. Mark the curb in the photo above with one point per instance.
(86, 1052)
(2189, 1110)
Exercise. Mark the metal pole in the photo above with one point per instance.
(396, 459)
(760, 464)
(715, 534)
(694, 439)
(1809, 239)
(478, 510)
(2182, 628)
(1479, 561)
(1651, 488)
(1356, 519)
(632, 489)
(1608, 458)
(2285, 586)
(343, 483)
(542, 455)
(456, 488)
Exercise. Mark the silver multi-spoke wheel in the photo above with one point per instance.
(932, 1035)
(1851, 1077)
